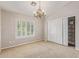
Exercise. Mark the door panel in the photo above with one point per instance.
(55, 30)
(65, 31)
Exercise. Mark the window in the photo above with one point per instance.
(24, 29)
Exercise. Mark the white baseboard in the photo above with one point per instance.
(21, 44)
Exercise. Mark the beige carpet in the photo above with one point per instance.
(40, 50)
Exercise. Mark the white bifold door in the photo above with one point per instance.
(55, 30)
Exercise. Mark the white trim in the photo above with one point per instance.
(21, 44)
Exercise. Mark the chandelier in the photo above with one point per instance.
(39, 13)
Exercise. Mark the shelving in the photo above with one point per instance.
(71, 31)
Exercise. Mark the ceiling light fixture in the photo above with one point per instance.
(39, 13)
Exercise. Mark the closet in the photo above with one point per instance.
(62, 31)
(71, 31)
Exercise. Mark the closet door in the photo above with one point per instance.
(65, 31)
(59, 31)
(55, 30)
(52, 30)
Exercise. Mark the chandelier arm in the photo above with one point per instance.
(39, 13)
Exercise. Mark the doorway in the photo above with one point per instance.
(71, 31)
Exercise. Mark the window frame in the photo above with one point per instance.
(26, 36)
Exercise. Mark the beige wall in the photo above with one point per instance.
(8, 32)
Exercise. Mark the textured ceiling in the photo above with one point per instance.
(49, 6)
